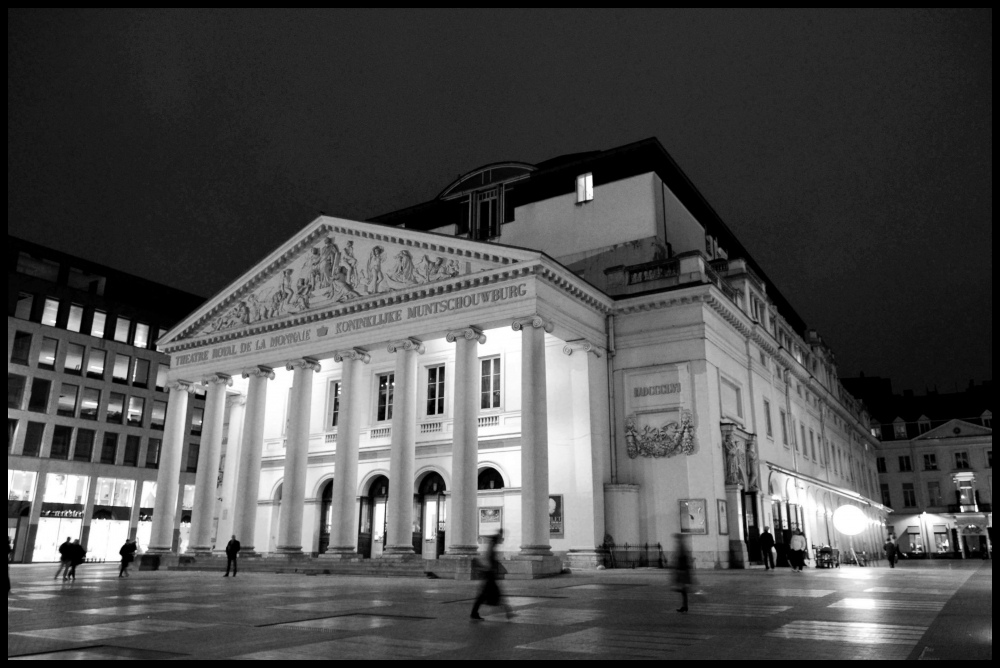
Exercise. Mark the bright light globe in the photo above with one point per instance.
(849, 520)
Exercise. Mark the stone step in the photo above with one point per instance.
(320, 566)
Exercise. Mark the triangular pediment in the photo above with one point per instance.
(336, 263)
(955, 429)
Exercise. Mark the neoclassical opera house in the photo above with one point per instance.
(577, 353)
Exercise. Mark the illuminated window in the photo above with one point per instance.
(70, 490)
(75, 322)
(15, 391)
(120, 373)
(490, 393)
(99, 324)
(47, 355)
(435, 391)
(584, 188)
(50, 316)
(38, 400)
(74, 359)
(158, 420)
(95, 365)
(90, 404)
(11, 434)
(25, 303)
(141, 336)
(114, 493)
(116, 409)
(84, 450)
(386, 386)
(122, 327)
(21, 352)
(21, 485)
(68, 396)
(161, 377)
(136, 408)
(198, 420)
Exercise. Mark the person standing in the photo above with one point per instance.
(767, 547)
(78, 556)
(798, 548)
(491, 594)
(683, 580)
(232, 557)
(127, 554)
(891, 552)
(64, 559)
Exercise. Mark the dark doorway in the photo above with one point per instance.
(490, 479)
(372, 527)
(326, 517)
(752, 527)
(433, 519)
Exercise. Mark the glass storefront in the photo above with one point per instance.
(106, 539)
(53, 532)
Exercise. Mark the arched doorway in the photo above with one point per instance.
(372, 525)
(325, 517)
(430, 539)
(490, 480)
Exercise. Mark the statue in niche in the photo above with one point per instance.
(670, 440)
(734, 460)
(753, 466)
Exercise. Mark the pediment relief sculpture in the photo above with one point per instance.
(338, 270)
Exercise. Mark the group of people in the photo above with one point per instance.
(798, 550)
(71, 555)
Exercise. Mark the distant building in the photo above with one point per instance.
(86, 404)
(935, 466)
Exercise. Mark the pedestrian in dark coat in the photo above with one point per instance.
(891, 552)
(767, 547)
(232, 557)
(65, 550)
(127, 553)
(78, 555)
(683, 578)
(491, 594)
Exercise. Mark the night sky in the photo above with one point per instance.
(851, 152)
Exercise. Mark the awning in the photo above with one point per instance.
(846, 493)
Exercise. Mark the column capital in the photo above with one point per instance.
(407, 345)
(306, 364)
(259, 372)
(534, 321)
(469, 334)
(356, 354)
(181, 386)
(582, 346)
(218, 379)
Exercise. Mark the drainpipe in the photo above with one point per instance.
(611, 397)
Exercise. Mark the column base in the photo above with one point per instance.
(586, 560)
(462, 551)
(536, 551)
(527, 567)
(345, 554)
(290, 552)
(401, 556)
(463, 567)
(399, 551)
(160, 551)
(199, 552)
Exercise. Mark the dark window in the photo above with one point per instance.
(930, 463)
(490, 479)
(490, 393)
(21, 352)
(11, 435)
(192, 464)
(68, 396)
(33, 436)
(909, 496)
(886, 496)
(25, 302)
(47, 355)
(61, 439)
(197, 421)
(880, 463)
(962, 461)
(989, 459)
(91, 404)
(38, 401)
(74, 360)
(769, 425)
(109, 450)
(116, 408)
(153, 453)
(132, 444)
(140, 374)
(386, 385)
(784, 428)
(84, 451)
(15, 391)
(435, 391)
(905, 465)
(335, 409)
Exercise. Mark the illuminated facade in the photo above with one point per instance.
(578, 353)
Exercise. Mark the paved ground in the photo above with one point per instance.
(931, 610)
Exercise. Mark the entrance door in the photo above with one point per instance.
(752, 528)
(372, 524)
(326, 518)
(433, 517)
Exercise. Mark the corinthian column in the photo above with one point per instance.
(534, 439)
(344, 532)
(464, 538)
(248, 482)
(402, 459)
(205, 486)
(169, 475)
(293, 495)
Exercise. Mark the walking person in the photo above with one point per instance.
(127, 553)
(767, 548)
(78, 556)
(64, 559)
(491, 594)
(891, 552)
(232, 557)
(798, 548)
(683, 580)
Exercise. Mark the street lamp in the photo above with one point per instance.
(850, 521)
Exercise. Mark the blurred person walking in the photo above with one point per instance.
(64, 559)
(891, 552)
(127, 554)
(798, 548)
(767, 548)
(78, 556)
(683, 579)
(491, 595)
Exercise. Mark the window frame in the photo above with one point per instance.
(768, 420)
(909, 495)
(964, 455)
(496, 389)
(908, 467)
(46, 340)
(930, 462)
(585, 188)
(438, 388)
(384, 409)
(335, 390)
(20, 354)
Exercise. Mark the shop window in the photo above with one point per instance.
(90, 404)
(84, 450)
(38, 400)
(109, 449)
(335, 390)
(141, 339)
(930, 463)
(122, 327)
(120, 373)
(584, 188)
(768, 424)
(886, 496)
(934, 494)
(192, 461)
(136, 408)
(140, 374)
(25, 303)
(50, 314)
(21, 485)
(116, 408)
(96, 364)
(99, 324)
(905, 465)
(962, 461)
(114, 493)
(33, 436)
(909, 496)
(21, 352)
(435, 391)
(47, 355)
(198, 421)
(158, 420)
(153, 453)
(386, 387)
(62, 437)
(490, 391)
(70, 490)
(880, 465)
(161, 377)
(68, 397)
(132, 445)
(15, 391)
(75, 321)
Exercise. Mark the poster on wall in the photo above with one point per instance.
(723, 518)
(490, 522)
(693, 516)
(556, 520)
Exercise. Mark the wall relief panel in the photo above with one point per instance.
(659, 420)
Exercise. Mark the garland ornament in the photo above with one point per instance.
(670, 440)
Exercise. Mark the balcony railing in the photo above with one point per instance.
(971, 508)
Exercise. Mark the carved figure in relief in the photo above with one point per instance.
(670, 440)
(375, 278)
(753, 466)
(734, 463)
(404, 272)
(303, 292)
(314, 269)
(331, 261)
(341, 290)
(431, 270)
(452, 270)
(352, 264)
